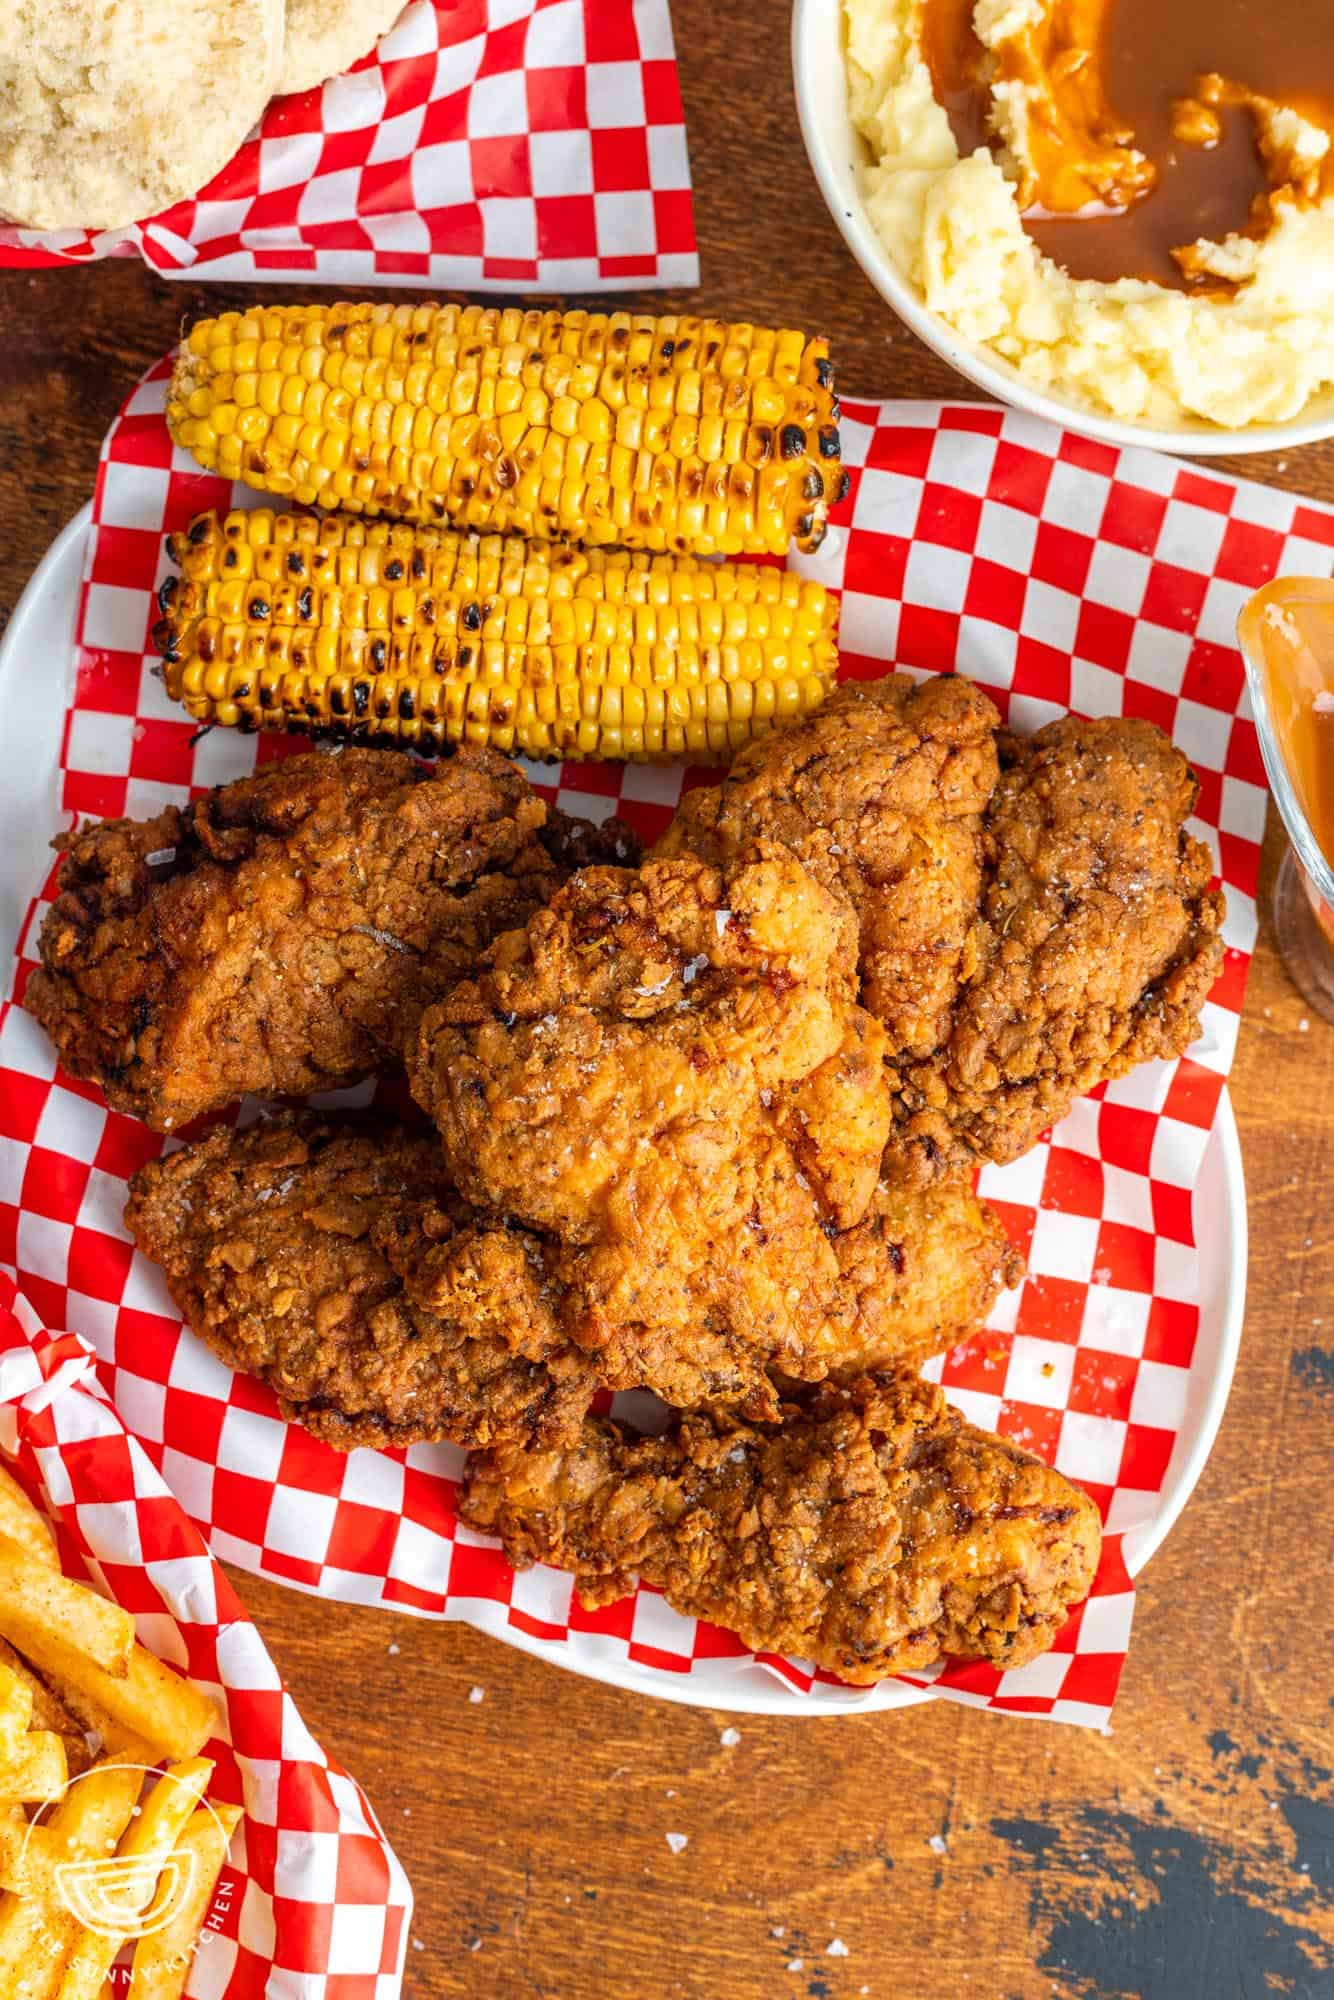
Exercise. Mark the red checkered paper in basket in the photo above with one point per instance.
(533, 145)
(312, 1900)
(1060, 574)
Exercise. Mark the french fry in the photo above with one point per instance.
(163, 1714)
(39, 1772)
(76, 1887)
(15, 1713)
(13, 1833)
(162, 1962)
(49, 1712)
(20, 1520)
(37, 1931)
(143, 1855)
(114, 1739)
(38, 1605)
(33, 1765)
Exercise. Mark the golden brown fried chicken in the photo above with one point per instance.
(873, 1532)
(918, 1273)
(832, 1119)
(283, 933)
(331, 1259)
(881, 794)
(620, 1076)
(579, 843)
(1025, 933)
(1098, 944)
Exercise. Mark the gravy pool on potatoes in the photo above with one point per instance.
(1149, 123)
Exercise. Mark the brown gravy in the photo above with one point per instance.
(1150, 54)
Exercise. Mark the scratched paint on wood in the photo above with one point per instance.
(1141, 1905)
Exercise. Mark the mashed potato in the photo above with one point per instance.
(1127, 349)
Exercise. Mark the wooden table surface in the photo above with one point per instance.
(956, 1856)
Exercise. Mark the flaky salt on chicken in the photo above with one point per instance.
(283, 933)
(619, 1076)
(1034, 916)
(666, 1074)
(331, 1259)
(1097, 943)
(329, 1256)
(881, 795)
(872, 1532)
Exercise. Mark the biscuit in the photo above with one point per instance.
(110, 113)
(325, 37)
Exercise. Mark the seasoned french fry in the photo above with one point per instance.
(15, 1713)
(78, 1885)
(33, 1765)
(49, 1712)
(37, 1931)
(38, 1773)
(162, 1962)
(38, 1604)
(141, 1859)
(20, 1520)
(114, 1739)
(13, 1832)
(163, 1714)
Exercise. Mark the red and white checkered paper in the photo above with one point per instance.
(1058, 573)
(312, 1903)
(534, 145)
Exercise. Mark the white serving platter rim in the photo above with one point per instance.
(36, 678)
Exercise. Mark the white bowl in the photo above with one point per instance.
(837, 152)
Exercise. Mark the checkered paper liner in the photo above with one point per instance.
(312, 1903)
(534, 145)
(1058, 573)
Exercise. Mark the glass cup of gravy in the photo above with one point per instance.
(1286, 634)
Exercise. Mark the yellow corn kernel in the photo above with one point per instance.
(521, 422)
(375, 632)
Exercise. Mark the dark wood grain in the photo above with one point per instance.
(534, 1821)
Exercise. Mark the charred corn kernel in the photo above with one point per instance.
(603, 428)
(372, 631)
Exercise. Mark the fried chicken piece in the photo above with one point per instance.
(579, 843)
(283, 933)
(881, 794)
(1025, 933)
(834, 1120)
(331, 1259)
(873, 1532)
(950, 1259)
(1099, 943)
(619, 1076)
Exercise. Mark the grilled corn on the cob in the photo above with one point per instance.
(372, 631)
(675, 434)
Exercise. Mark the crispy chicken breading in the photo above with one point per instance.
(918, 1273)
(833, 1118)
(1029, 927)
(283, 933)
(620, 1076)
(873, 1532)
(881, 794)
(331, 1259)
(1098, 945)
